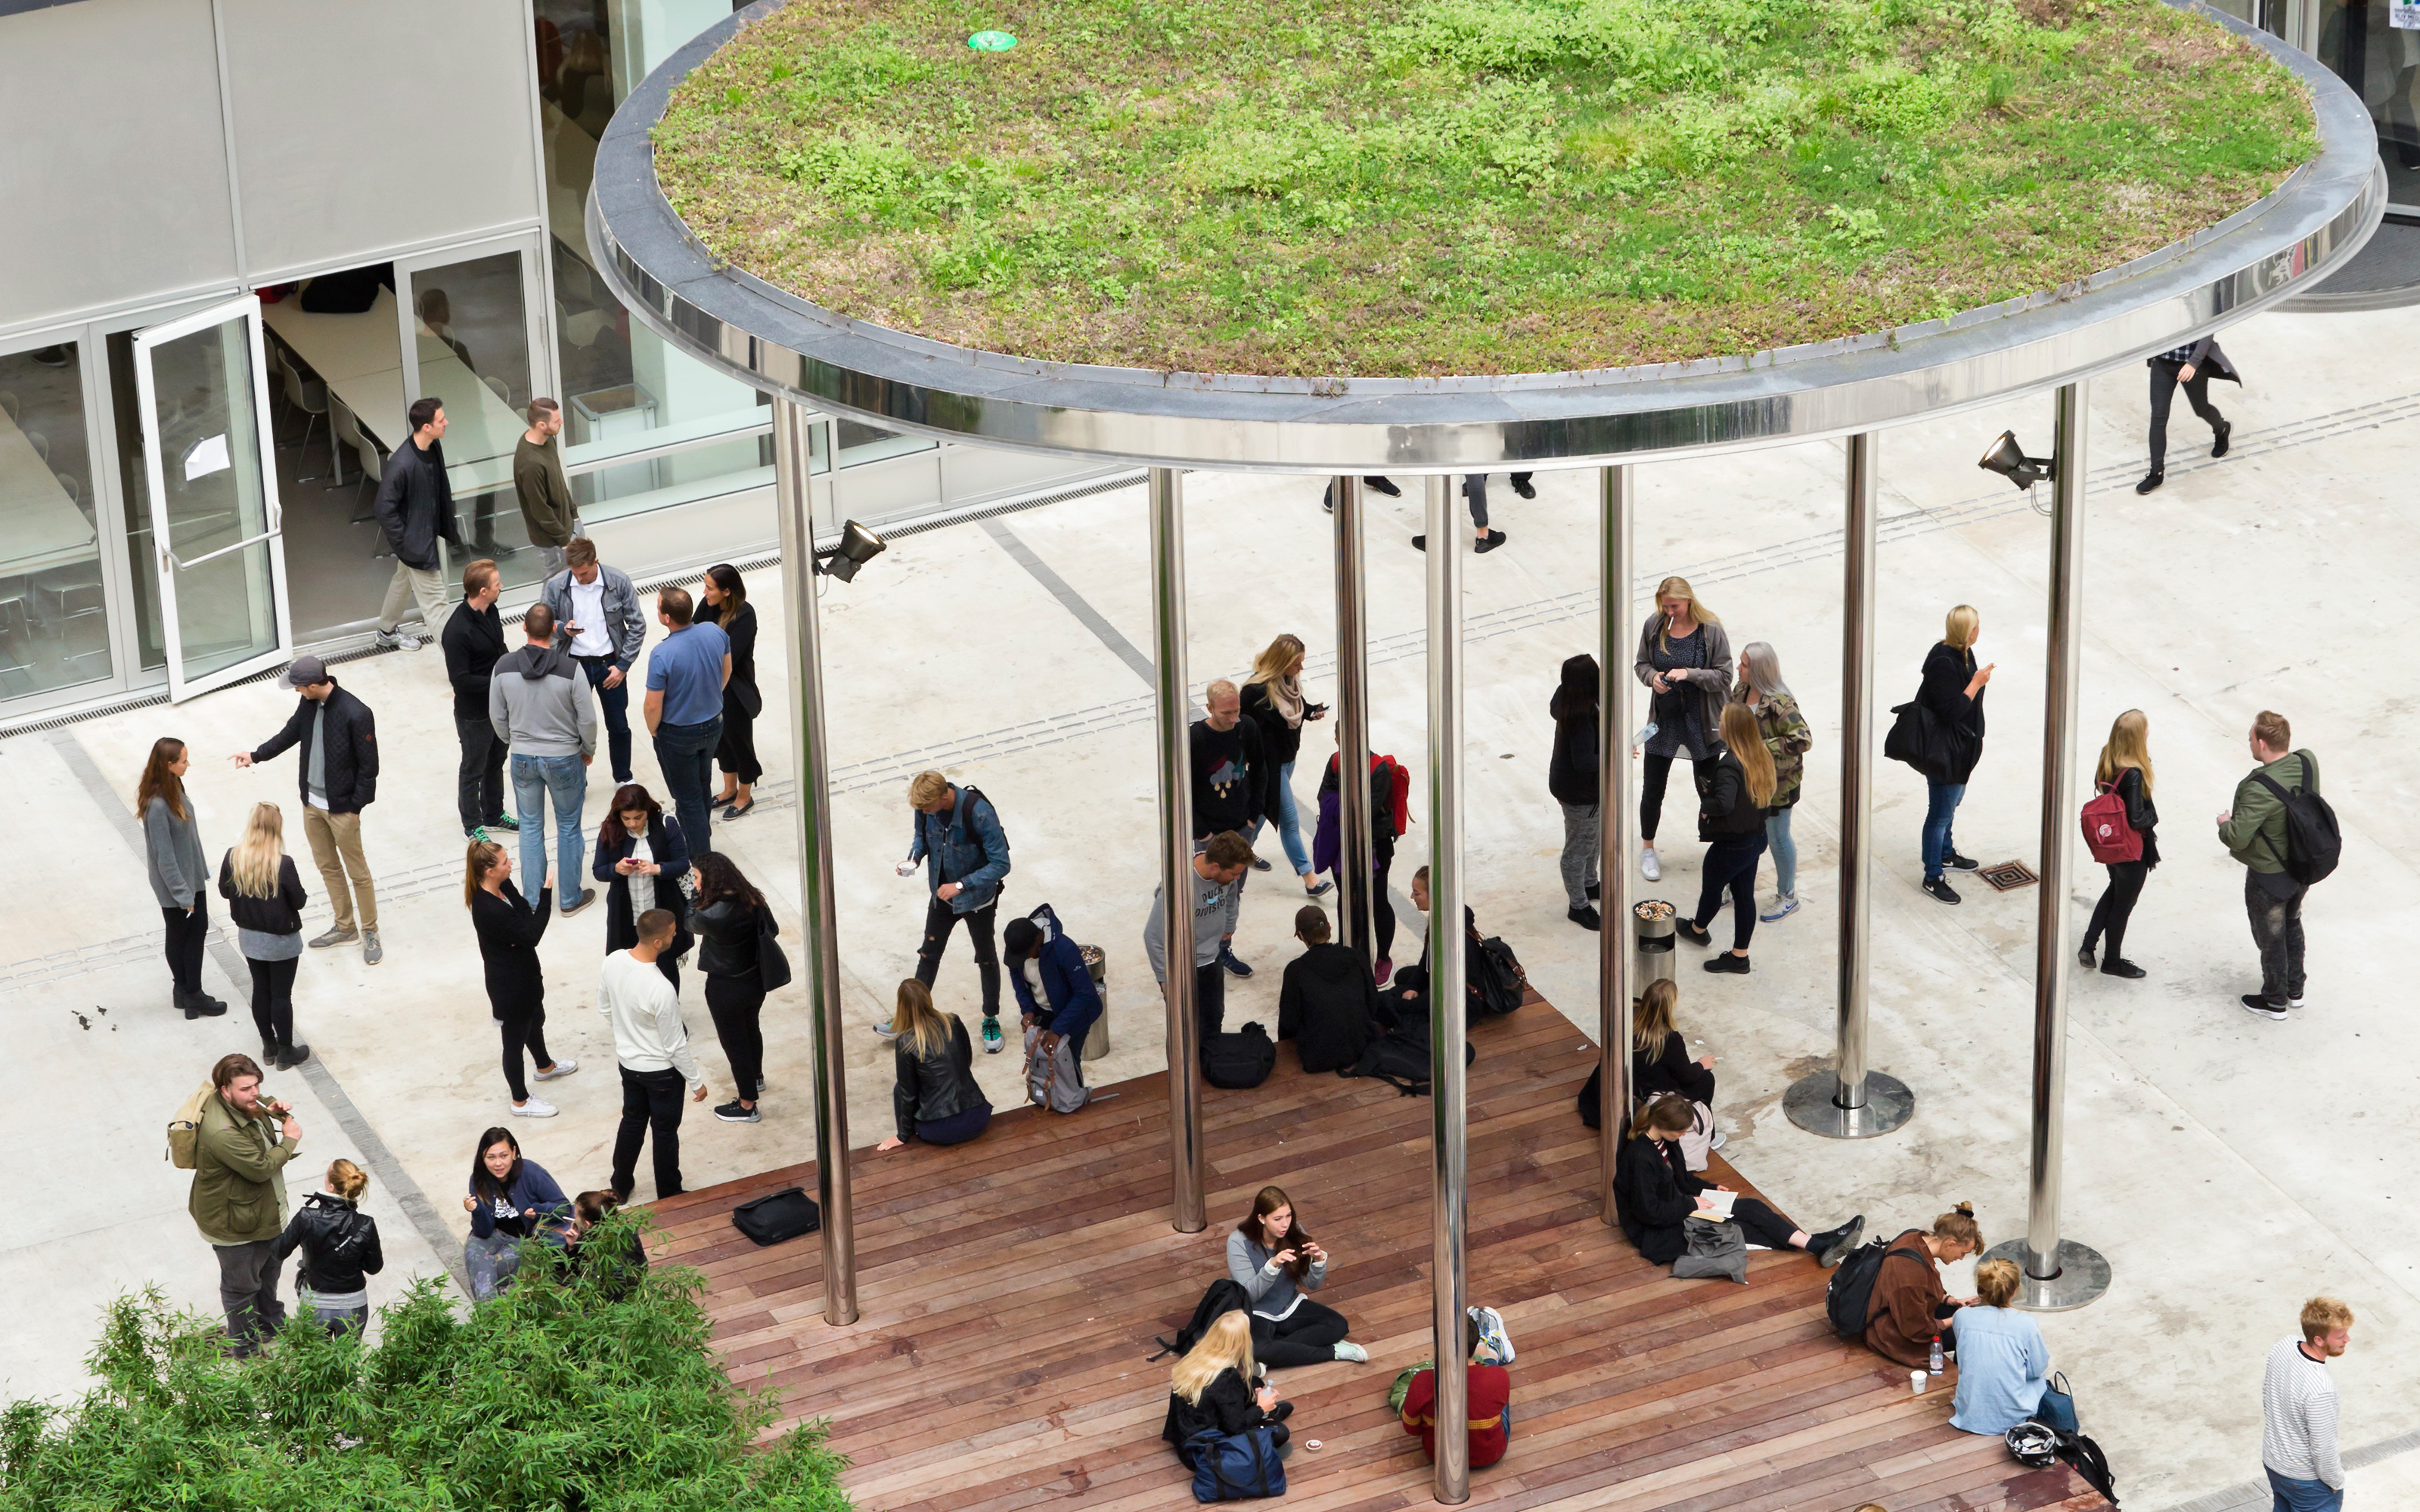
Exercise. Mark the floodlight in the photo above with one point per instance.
(857, 547)
(2009, 459)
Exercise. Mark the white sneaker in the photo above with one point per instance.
(1649, 866)
(563, 1066)
(536, 1107)
(2294, 1002)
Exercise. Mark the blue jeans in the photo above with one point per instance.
(1940, 807)
(1289, 823)
(534, 778)
(685, 752)
(2302, 1495)
(1785, 853)
(613, 705)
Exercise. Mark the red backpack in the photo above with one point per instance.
(2110, 838)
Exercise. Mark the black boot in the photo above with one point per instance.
(1832, 1246)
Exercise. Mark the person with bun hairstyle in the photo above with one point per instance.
(1911, 1307)
(2125, 769)
(1734, 795)
(1685, 659)
(340, 1247)
(1654, 1193)
(615, 1261)
(1277, 1262)
(2002, 1365)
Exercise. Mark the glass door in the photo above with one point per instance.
(202, 396)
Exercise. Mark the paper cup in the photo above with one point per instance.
(1918, 1381)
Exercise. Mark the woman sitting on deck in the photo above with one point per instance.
(1911, 1307)
(1216, 1389)
(1275, 1261)
(1654, 1194)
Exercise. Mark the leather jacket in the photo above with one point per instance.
(339, 1245)
(726, 932)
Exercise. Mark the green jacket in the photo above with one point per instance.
(1787, 735)
(2255, 833)
(239, 1176)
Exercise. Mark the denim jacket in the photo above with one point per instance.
(966, 846)
(624, 625)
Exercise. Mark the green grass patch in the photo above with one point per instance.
(1408, 187)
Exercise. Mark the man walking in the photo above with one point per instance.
(2253, 831)
(1235, 782)
(548, 510)
(474, 638)
(337, 772)
(241, 1143)
(651, 1043)
(685, 676)
(541, 707)
(1218, 898)
(416, 509)
(2298, 1412)
(597, 619)
(956, 833)
(1473, 490)
(2192, 365)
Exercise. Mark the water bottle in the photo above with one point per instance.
(1933, 1363)
(1645, 735)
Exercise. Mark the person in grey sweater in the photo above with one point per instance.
(172, 857)
(543, 709)
(1274, 1258)
(1218, 897)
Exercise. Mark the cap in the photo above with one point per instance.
(303, 671)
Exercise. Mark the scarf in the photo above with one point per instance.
(1286, 696)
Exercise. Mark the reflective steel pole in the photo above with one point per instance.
(2057, 1273)
(1613, 943)
(1449, 1134)
(791, 472)
(1851, 1101)
(1354, 878)
(1187, 1211)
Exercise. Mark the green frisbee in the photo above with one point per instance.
(991, 41)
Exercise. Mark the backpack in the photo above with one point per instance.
(2107, 832)
(1848, 1300)
(1224, 1297)
(2089, 1461)
(1400, 1057)
(185, 1129)
(1390, 793)
(1496, 980)
(1235, 1467)
(2313, 846)
(1238, 1060)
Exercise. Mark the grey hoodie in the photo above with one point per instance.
(1216, 906)
(540, 703)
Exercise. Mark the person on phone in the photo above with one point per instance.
(1572, 781)
(933, 1094)
(1911, 1307)
(1952, 689)
(510, 1200)
(1789, 739)
(172, 857)
(237, 1200)
(733, 922)
(265, 897)
(2125, 769)
(651, 1045)
(340, 1251)
(957, 836)
(597, 619)
(509, 928)
(1684, 660)
(2192, 365)
(1488, 1396)
(1272, 699)
(641, 859)
(1219, 1388)
(1276, 1262)
(1654, 1194)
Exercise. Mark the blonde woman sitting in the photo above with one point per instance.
(936, 1098)
(1217, 1389)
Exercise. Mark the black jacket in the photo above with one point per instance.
(671, 852)
(1572, 770)
(415, 504)
(1653, 1194)
(1946, 670)
(1235, 782)
(2206, 358)
(2140, 815)
(1280, 740)
(936, 1086)
(474, 640)
(1227, 1405)
(727, 936)
(353, 761)
(281, 914)
(509, 930)
(1671, 1071)
(1726, 808)
(339, 1245)
(1328, 1006)
(741, 698)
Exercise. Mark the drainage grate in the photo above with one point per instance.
(2009, 876)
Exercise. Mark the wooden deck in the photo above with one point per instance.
(1010, 1289)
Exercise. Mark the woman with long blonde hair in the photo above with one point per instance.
(1685, 659)
(1272, 699)
(1787, 736)
(265, 897)
(1217, 1388)
(172, 855)
(1731, 806)
(2125, 769)
(935, 1097)
(1952, 691)
(1659, 1052)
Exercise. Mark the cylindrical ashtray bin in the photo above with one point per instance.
(1656, 939)
(1096, 1042)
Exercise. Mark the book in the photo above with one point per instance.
(1721, 1211)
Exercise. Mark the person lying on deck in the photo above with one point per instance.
(1276, 1262)
(1653, 1194)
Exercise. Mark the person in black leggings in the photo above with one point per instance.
(732, 924)
(1653, 1194)
(265, 897)
(1684, 660)
(1730, 815)
(509, 928)
(2125, 768)
(1276, 1262)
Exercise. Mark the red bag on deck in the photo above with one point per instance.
(2106, 833)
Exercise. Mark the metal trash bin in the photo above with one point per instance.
(1096, 1040)
(1656, 941)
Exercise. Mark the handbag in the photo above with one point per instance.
(1915, 738)
(772, 966)
(750, 698)
(785, 1214)
(1716, 1248)
(2058, 1409)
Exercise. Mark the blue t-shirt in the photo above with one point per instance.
(686, 667)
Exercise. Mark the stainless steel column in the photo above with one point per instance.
(1851, 1101)
(1354, 904)
(2056, 1273)
(1613, 796)
(1186, 1209)
(791, 472)
(1449, 1136)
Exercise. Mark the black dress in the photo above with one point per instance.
(741, 698)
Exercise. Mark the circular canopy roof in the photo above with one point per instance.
(785, 345)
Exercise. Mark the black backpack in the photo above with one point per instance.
(1498, 983)
(2088, 1462)
(1848, 1300)
(1238, 1060)
(1400, 1057)
(1223, 1297)
(2313, 846)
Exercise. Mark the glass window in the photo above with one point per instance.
(860, 444)
(54, 613)
(471, 349)
(2381, 61)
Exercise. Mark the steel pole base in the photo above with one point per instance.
(1813, 1103)
(2083, 1276)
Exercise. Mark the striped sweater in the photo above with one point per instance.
(2297, 1406)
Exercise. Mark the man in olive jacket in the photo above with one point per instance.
(241, 1148)
(2254, 832)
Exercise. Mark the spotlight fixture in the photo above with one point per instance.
(2009, 459)
(857, 547)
